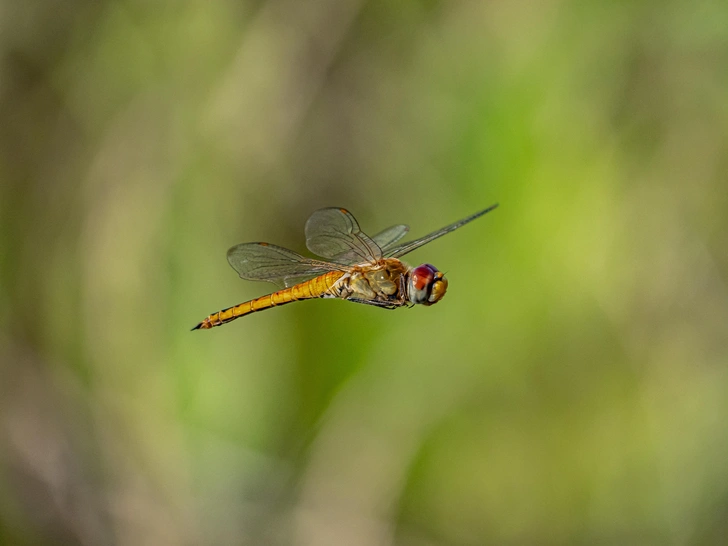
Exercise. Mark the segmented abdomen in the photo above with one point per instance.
(314, 288)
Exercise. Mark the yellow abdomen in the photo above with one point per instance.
(314, 288)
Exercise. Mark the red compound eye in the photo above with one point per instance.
(422, 276)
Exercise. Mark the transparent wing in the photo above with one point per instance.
(333, 232)
(404, 248)
(266, 262)
(391, 235)
(384, 239)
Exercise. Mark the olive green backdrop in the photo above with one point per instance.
(571, 388)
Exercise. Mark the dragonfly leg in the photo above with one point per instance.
(376, 303)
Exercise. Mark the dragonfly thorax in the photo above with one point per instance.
(426, 285)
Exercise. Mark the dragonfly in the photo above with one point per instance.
(353, 267)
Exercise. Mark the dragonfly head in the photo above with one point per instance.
(426, 285)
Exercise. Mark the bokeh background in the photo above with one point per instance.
(572, 388)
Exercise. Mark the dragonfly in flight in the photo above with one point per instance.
(355, 267)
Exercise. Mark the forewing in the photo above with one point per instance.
(266, 262)
(384, 240)
(404, 248)
(333, 232)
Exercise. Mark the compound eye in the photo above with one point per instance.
(420, 283)
(422, 276)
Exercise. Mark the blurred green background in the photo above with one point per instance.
(572, 388)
